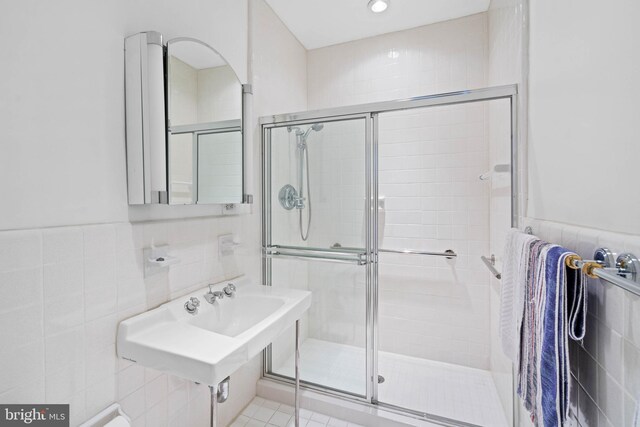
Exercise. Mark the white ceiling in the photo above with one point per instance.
(319, 23)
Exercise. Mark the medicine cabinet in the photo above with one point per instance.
(184, 123)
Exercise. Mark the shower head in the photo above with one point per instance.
(316, 127)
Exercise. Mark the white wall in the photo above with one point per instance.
(64, 289)
(583, 114)
(583, 174)
(63, 92)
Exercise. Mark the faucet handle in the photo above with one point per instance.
(210, 290)
(230, 289)
(192, 305)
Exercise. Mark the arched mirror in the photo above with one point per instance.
(204, 126)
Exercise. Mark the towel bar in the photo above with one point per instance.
(623, 271)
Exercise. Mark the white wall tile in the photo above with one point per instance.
(130, 379)
(61, 314)
(20, 250)
(99, 241)
(99, 394)
(608, 361)
(100, 292)
(21, 365)
(20, 288)
(23, 325)
(63, 280)
(62, 244)
(63, 383)
(65, 313)
(65, 349)
(25, 392)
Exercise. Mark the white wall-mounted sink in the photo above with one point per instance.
(208, 346)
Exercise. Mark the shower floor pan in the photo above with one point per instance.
(443, 389)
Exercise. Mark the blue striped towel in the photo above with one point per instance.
(555, 311)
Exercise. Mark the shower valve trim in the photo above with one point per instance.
(288, 196)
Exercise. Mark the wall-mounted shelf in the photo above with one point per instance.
(156, 259)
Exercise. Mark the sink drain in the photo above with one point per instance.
(380, 379)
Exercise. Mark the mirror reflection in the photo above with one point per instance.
(205, 127)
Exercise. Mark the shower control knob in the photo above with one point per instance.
(288, 197)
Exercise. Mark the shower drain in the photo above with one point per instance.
(380, 379)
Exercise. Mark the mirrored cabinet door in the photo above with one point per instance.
(219, 167)
(204, 125)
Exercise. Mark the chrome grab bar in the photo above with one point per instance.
(490, 263)
(447, 254)
(309, 253)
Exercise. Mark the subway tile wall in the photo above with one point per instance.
(429, 164)
(442, 57)
(431, 307)
(63, 292)
(605, 367)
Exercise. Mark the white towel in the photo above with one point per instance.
(514, 276)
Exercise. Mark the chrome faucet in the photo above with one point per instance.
(213, 296)
(230, 290)
(192, 305)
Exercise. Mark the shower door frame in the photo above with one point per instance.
(339, 255)
(370, 112)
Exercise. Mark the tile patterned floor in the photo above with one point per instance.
(452, 391)
(261, 413)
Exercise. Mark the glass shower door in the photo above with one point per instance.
(441, 168)
(362, 211)
(317, 199)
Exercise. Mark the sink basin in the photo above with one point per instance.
(234, 318)
(208, 346)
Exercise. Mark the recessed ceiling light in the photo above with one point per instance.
(378, 6)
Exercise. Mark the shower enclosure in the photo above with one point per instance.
(383, 211)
